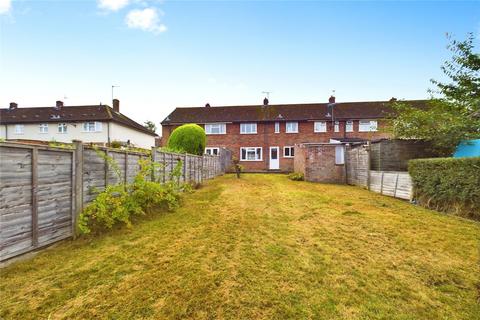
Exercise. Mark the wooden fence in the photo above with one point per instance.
(43, 189)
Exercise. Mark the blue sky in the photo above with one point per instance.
(166, 54)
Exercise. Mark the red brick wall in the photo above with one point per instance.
(317, 163)
(266, 137)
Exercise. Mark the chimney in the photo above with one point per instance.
(393, 99)
(207, 105)
(265, 102)
(116, 105)
(331, 99)
(13, 105)
(59, 104)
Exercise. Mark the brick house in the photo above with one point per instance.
(263, 137)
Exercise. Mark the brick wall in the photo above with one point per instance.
(266, 137)
(317, 163)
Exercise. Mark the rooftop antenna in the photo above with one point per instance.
(113, 86)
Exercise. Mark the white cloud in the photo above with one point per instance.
(112, 5)
(5, 6)
(146, 19)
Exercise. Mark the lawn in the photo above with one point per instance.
(262, 247)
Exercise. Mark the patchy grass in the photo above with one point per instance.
(262, 247)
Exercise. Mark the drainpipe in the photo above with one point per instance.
(108, 132)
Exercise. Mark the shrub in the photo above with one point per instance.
(237, 167)
(189, 138)
(447, 184)
(296, 176)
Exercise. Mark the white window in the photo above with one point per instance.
(43, 127)
(277, 127)
(62, 128)
(92, 126)
(215, 128)
(339, 155)
(19, 128)
(337, 126)
(320, 126)
(291, 127)
(367, 125)
(288, 152)
(212, 151)
(349, 126)
(251, 154)
(248, 128)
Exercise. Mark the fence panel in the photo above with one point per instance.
(396, 184)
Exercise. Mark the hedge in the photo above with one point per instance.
(447, 184)
(189, 138)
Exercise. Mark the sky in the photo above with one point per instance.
(167, 54)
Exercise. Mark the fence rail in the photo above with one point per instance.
(43, 189)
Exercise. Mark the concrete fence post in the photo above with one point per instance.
(78, 189)
(154, 159)
(369, 159)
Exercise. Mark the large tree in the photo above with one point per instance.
(453, 113)
(150, 125)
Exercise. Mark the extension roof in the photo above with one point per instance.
(285, 112)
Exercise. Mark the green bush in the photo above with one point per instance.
(189, 138)
(447, 184)
(296, 176)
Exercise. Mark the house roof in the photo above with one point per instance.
(285, 112)
(68, 114)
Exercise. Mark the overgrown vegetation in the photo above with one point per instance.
(188, 138)
(454, 114)
(237, 167)
(119, 203)
(448, 184)
(260, 247)
(296, 176)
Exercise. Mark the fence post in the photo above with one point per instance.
(396, 184)
(78, 190)
(125, 168)
(185, 168)
(34, 197)
(106, 168)
(381, 184)
(369, 159)
(154, 159)
(164, 166)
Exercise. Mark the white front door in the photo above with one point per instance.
(274, 158)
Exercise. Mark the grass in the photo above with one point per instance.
(262, 247)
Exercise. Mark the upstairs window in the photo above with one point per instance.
(215, 128)
(349, 126)
(291, 127)
(43, 127)
(19, 128)
(62, 128)
(277, 127)
(337, 126)
(92, 126)
(367, 125)
(251, 154)
(212, 151)
(288, 152)
(320, 126)
(248, 128)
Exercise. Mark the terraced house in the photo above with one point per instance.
(263, 136)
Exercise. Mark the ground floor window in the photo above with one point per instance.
(288, 152)
(251, 154)
(213, 151)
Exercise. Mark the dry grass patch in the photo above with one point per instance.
(262, 247)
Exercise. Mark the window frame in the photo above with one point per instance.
(341, 155)
(291, 148)
(277, 127)
(372, 128)
(290, 122)
(43, 128)
(212, 149)
(320, 122)
(97, 126)
(21, 127)
(349, 126)
(62, 125)
(244, 125)
(222, 125)
(336, 126)
(249, 149)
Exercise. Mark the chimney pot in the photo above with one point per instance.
(116, 105)
(207, 105)
(13, 105)
(59, 104)
(265, 102)
(331, 99)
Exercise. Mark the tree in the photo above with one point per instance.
(189, 138)
(150, 126)
(454, 115)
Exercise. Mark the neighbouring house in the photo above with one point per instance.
(99, 124)
(263, 137)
